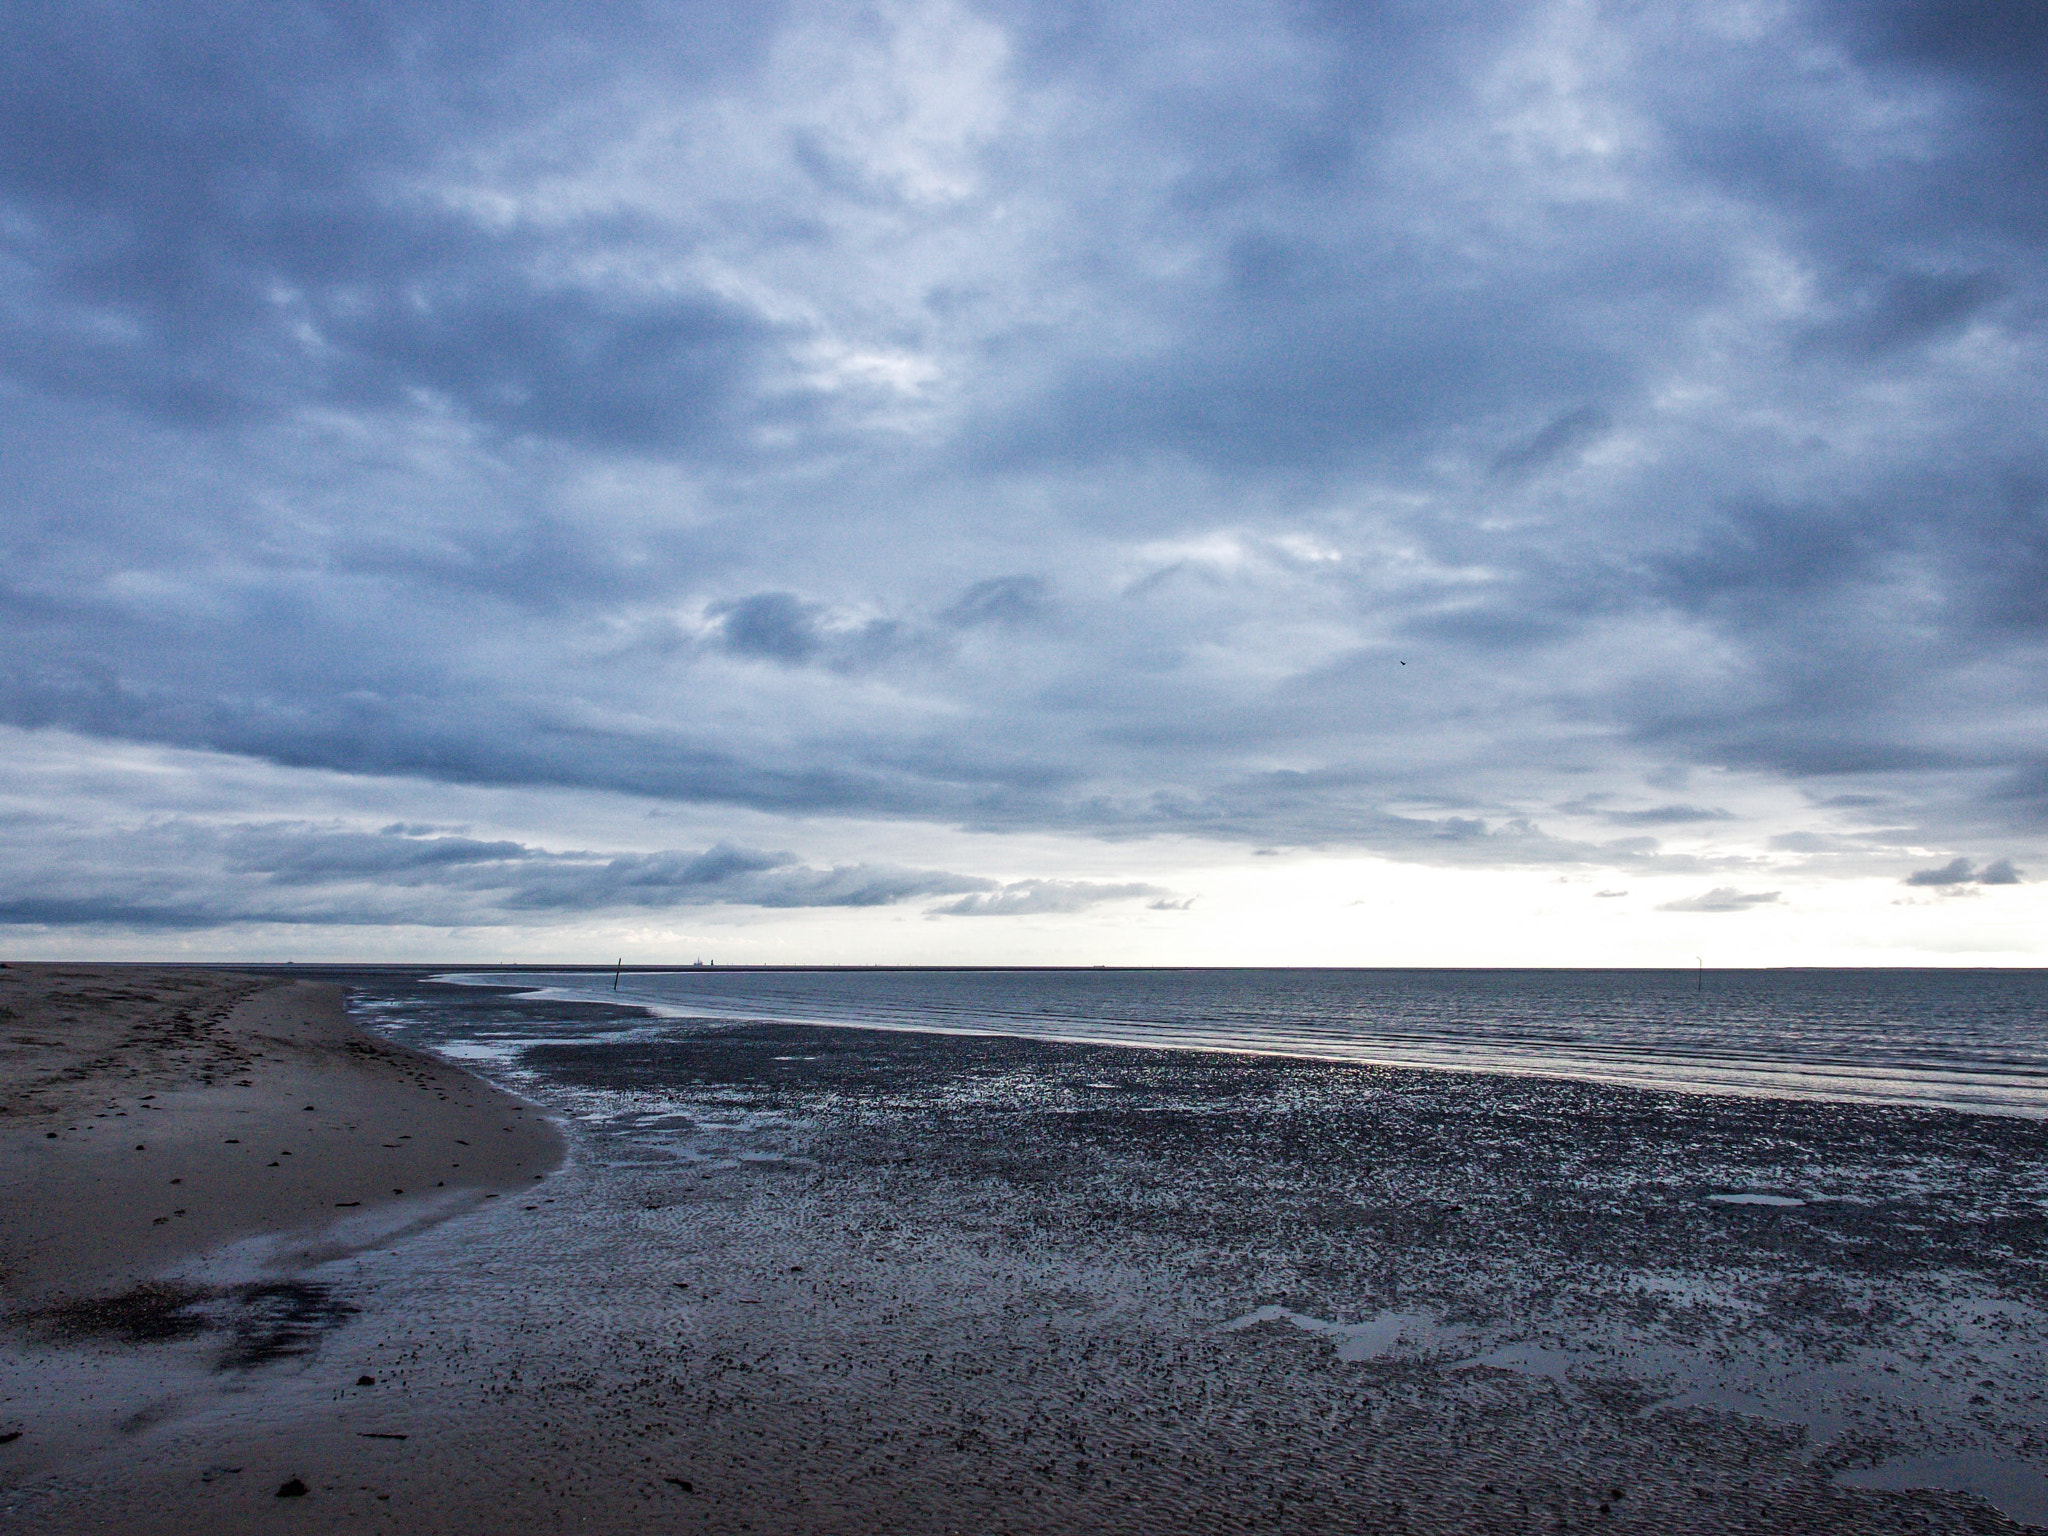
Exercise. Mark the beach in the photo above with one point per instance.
(794, 1278)
(152, 1114)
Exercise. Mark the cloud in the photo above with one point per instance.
(185, 875)
(1667, 815)
(777, 626)
(727, 877)
(1960, 871)
(783, 628)
(210, 248)
(1006, 600)
(1031, 898)
(1906, 309)
(289, 854)
(1564, 436)
(1039, 424)
(1722, 898)
(1955, 872)
(112, 912)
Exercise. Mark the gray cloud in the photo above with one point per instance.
(1026, 898)
(1960, 871)
(1904, 309)
(998, 600)
(1955, 872)
(295, 855)
(1565, 435)
(726, 875)
(1722, 898)
(777, 626)
(179, 875)
(1666, 816)
(216, 224)
(112, 912)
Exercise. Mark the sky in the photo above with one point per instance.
(1444, 483)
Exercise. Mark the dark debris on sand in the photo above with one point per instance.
(260, 1322)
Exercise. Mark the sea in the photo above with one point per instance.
(1973, 1040)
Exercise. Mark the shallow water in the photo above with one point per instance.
(2018, 1490)
(1963, 1039)
(1868, 1394)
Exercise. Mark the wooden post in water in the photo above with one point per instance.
(615, 972)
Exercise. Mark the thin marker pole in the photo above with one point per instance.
(615, 972)
(1700, 985)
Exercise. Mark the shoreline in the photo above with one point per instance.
(1789, 1081)
(151, 1116)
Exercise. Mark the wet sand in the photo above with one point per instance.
(827, 1280)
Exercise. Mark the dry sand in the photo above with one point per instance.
(148, 1115)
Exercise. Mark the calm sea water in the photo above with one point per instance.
(1966, 1039)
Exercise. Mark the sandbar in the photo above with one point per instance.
(149, 1114)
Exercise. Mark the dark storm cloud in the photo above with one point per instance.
(1036, 417)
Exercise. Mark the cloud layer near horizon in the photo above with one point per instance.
(181, 874)
(1466, 434)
